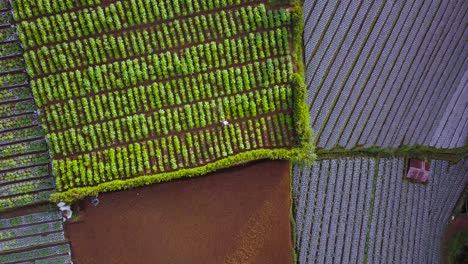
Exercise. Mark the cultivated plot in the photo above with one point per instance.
(140, 91)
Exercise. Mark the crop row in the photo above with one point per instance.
(159, 37)
(166, 121)
(172, 152)
(166, 94)
(17, 108)
(7, 49)
(22, 147)
(71, 25)
(28, 219)
(18, 135)
(11, 64)
(26, 187)
(25, 199)
(23, 161)
(128, 73)
(6, 18)
(17, 122)
(32, 241)
(41, 254)
(25, 9)
(8, 34)
(14, 94)
(30, 230)
(24, 174)
(11, 79)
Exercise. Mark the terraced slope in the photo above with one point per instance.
(387, 73)
(25, 177)
(34, 238)
(162, 89)
(362, 211)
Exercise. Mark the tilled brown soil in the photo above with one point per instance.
(236, 215)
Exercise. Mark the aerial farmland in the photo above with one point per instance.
(231, 131)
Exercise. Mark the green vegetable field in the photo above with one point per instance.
(133, 92)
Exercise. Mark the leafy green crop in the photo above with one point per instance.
(140, 91)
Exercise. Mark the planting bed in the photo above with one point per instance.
(237, 215)
(139, 91)
(33, 238)
(24, 171)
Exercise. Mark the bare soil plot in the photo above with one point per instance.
(238, 215)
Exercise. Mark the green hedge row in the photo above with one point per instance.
(81, 192)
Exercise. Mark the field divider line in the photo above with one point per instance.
(363, 87)
(10, 41)
(13, 86)
(348, 74)
(16, 100)
(385, 93)
(11, 56)
(17, 115)
(335, 55)
(371, 207)
(398, 89)
(17, 71)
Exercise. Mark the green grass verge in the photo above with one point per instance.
(300, 108)
(115, 185)
(415, 151)
(457, 247)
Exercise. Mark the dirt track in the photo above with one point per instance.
(238, 215)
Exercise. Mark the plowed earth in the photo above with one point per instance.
(237, 215)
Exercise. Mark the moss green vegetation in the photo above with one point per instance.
(415, 151)
(137, 95)
(457, 248)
